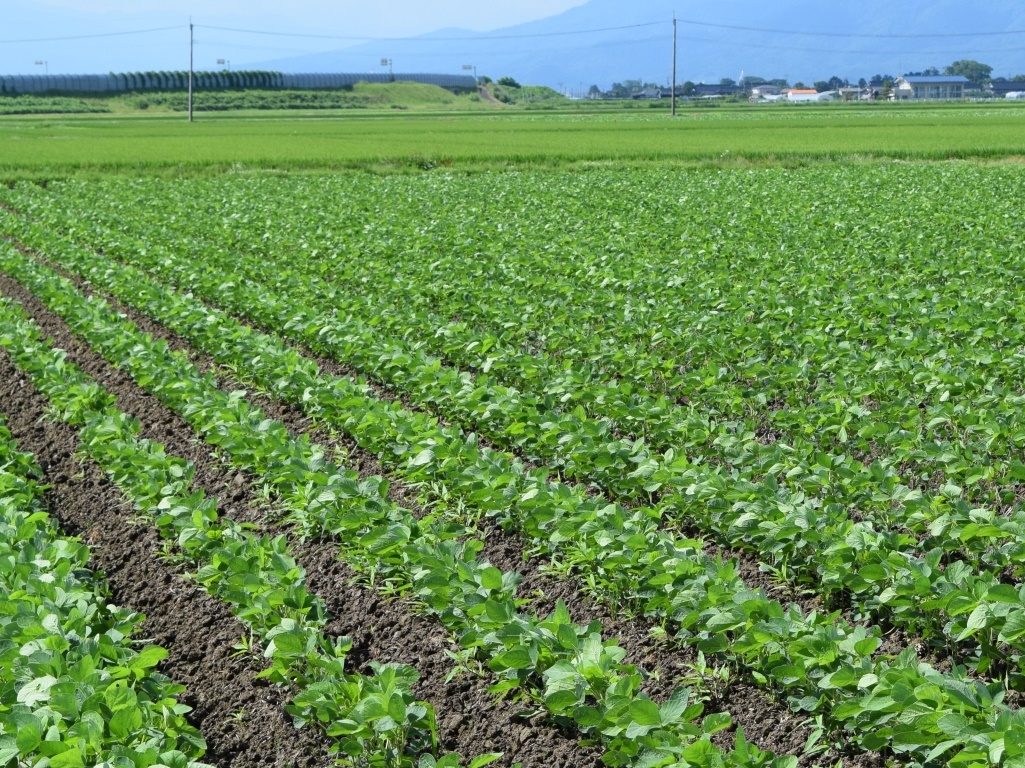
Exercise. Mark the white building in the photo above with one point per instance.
(930, 87)
(809, 95)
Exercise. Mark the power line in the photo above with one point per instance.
(851, 34)
(89, 37)
(488, 37)
(905, 52)
(223, 43)
(448, 52)
(468, 38)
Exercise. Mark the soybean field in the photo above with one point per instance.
(612, 466)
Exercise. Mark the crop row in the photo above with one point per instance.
(75, 688)
(609, 286)
(758, 478)
(783, 645)
(936, 406)
(565, 665)
(371, 718)
(892, 574)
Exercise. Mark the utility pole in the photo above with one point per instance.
(673, 87)
(191, 46)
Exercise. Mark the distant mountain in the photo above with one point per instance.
(599, 42)
(756, 38)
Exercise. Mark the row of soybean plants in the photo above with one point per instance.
(77, 687)
(826, 665)
(565, 666)
(770, 327)
(968, 430)
(373, 719)
(980, 457)
(893, 564)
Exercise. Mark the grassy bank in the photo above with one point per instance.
(362, 96)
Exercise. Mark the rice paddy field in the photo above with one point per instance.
(561, 440)
(318, 140)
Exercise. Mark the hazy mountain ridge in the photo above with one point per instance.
(708, 53)
(636, 43)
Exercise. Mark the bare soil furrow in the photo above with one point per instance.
(668, 664)
(241, 716)
(405, 634)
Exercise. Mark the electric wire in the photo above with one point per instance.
(91, 36)
(873, 36)
(465, 38)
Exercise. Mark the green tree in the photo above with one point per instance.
(627, 88)
(975, 72)
(508, 82)
(727, 81)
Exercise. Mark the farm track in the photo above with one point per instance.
(382, 630)
(388, 631)
(240, 716)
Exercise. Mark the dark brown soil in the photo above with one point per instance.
(472, 720)
(241, 717)
(666, 664)
(387, 631)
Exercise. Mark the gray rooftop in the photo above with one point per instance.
(926, 79)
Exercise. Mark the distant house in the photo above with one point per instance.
(765, 89)
(703, 91)
(809, 94)
(652, 93)
(930, 87)
(855, 93)
(1005, 87)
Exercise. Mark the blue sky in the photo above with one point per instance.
(168, 49)
(826, 39)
